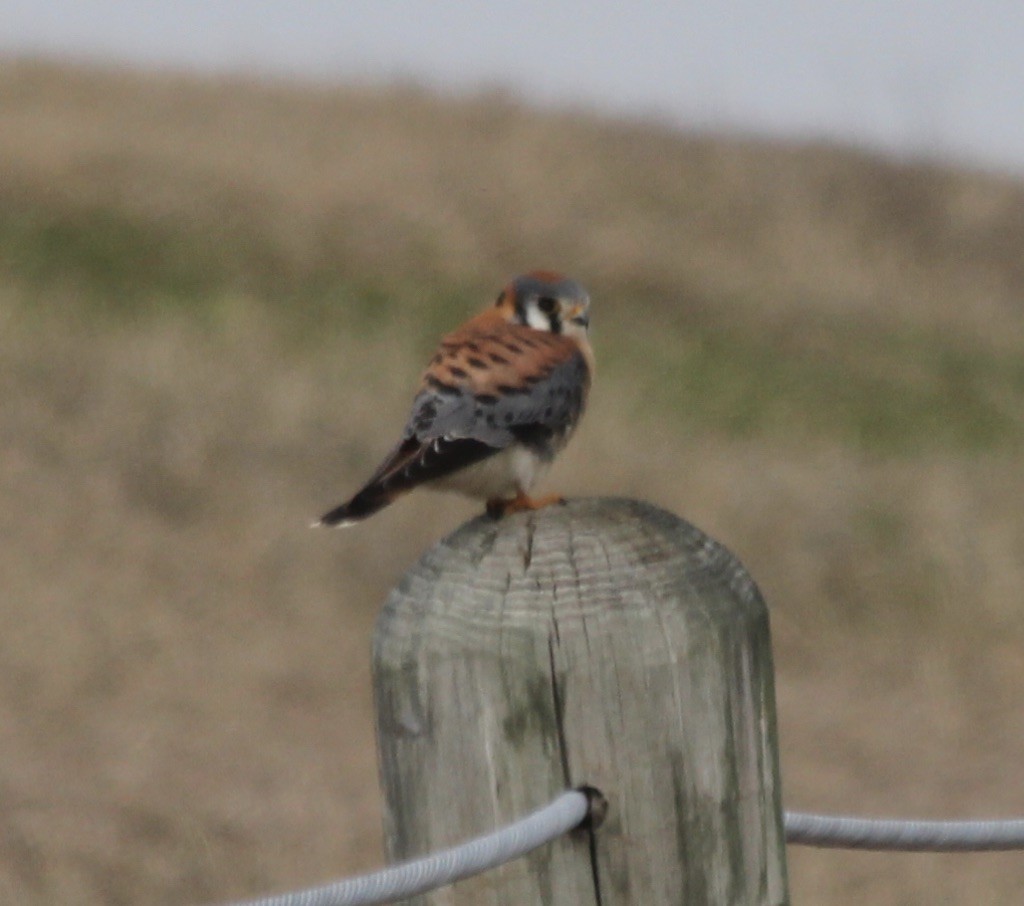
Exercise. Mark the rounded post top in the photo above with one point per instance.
(586, 557)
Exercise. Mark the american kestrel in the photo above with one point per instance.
(496, 404)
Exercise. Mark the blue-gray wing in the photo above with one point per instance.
(541, 409)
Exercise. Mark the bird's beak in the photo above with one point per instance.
(578, 315)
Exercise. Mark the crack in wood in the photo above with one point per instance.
(528, 553)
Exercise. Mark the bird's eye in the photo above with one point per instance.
(546, 304)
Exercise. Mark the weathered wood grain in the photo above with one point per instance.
(605, 642)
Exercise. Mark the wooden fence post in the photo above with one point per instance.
(607, 643)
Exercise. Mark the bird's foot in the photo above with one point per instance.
(498, 507)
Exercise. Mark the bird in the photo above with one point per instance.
(497, 403)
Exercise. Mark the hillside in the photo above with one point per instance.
(215, 295)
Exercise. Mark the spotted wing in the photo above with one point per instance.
(539, 406)
(499, 383)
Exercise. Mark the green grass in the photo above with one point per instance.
(871, 387)
(114, 263)
(106, 263)
(880, 388)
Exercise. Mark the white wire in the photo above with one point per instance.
(568, 811)
(438, 869)
(904, 835)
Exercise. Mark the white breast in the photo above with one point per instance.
(504, 475)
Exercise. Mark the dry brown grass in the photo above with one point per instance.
(184, 666)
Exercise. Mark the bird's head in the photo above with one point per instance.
(545, 300)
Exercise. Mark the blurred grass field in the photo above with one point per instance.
(215, 297)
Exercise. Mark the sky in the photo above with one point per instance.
(913, 78)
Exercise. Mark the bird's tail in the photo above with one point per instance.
(368, 501)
